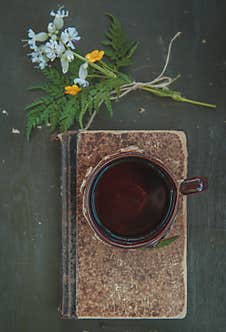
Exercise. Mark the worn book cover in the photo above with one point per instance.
(101, 281)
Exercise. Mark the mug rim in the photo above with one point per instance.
(152, 239)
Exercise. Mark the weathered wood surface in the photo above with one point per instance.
(30, 173)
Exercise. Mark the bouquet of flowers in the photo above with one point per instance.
(76, 84)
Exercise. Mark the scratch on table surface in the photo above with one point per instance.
(141, 110)
(15, 131)
(4, 112)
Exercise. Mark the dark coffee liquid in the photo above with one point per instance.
(131, 197)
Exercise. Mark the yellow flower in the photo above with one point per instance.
(94, 56)
(72, 90)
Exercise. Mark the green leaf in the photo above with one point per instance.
(29, 128)
(33, 120)
(163, 243)
(106, 42)
(81, 115)
(69, 113)
(119, 48)
(74, 69)
(166, 242)
(125, 78)
(43, 112)
(54, 76)
(38, 102)
(108, 105)
(62, 111)
(133, 48)
(37, 87)
(117, 90)
(124, 62)
(111, 54)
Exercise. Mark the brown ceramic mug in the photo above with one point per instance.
(131, 201)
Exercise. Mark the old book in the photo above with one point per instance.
(101, 281)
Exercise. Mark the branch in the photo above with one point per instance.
(167, 58)
(90, 121)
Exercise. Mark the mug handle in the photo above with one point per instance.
(194, 185)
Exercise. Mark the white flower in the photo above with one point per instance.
(62, 13)
(54, 37)
(31, 41)
(53, 44)
(83, 72)
(53, 49)
(66, 58)
(33, 38)
(60, 49)
(51, 28)
(42, 64)
(38, 56)
(81, 82)
(59, 15)
(50, 50)
(31, 34)
(68, 36)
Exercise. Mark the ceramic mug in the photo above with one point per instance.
(131, 201)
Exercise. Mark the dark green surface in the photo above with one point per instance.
(30, 173)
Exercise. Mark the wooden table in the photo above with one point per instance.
(30, 173)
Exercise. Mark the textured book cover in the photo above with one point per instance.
(101, 281)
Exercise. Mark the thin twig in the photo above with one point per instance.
(158, 82)
(90, 120)
(167, 58)
(122, 95)
(92, 117)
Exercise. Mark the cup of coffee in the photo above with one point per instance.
(131, 201)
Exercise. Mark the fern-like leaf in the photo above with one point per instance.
(62, 111)
(70, 113)
(54, 76)
(41, 87)
(120, 48)
(86, 104)
(107, 103)
(45, 110)
(37, 102)
(33, 119)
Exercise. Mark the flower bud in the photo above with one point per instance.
(58, 22)
(51, 28)
(54, 37)
(41, 36)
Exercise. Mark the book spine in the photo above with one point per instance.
(68, 246)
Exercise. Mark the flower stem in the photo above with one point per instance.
(104, 71)
(175, 96)
(105, 65)
(195, 102)
(96, 76)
